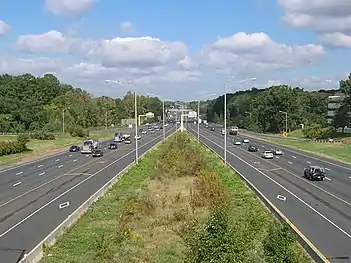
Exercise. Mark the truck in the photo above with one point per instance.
(234, 130)
(87, 146)
(118, 137)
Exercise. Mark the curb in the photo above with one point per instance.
(37, 253)
(314, 253)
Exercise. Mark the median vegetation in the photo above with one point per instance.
(180, 204)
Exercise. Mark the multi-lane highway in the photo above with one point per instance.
(36, 197)
(320, 210)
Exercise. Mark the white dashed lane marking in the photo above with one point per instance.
(294, 157)
(326, 178)
(60, 166)
(19, 173)
(17, 184)
(70, 155)
(57, 160)
(308, 162)
(290, 162)
(75, 160)
(327, 169)
(40, 166)
(41, 173)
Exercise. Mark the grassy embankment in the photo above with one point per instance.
(39, 148)
(338, 151)
(180, 204)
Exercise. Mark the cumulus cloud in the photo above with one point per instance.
(4, 28)
(126, 27)
(330, 19)
(59, 7)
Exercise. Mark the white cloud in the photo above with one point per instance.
(126, 27)
(4, 28)
(330, 19)
(59, 7)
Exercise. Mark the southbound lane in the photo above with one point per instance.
(323, 215)
(26, 220)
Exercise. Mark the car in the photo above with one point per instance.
(144, 132)
(253, 148)
(138, 137)
(113, 146)
(127, 141)
(152, 131)
(246, 141)
(314, 173)
(267, 155)
(223, 132)
(237, 143)
(97, 153)
(74, 148)
(140, 130)
(277, 151)
(161, 127)
(213, 129)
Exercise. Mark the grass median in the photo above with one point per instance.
(39, 148)
(180, 204)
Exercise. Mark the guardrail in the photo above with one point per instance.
(54, 133)
(304, 242)
(36, 254)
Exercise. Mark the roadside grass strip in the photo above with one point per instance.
(180, 204)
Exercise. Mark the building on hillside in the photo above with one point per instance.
(334, 103)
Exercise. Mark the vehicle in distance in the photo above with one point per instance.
(128, 141)
(277, 151)
(152, 131)
(126, 136)
(237, 143)
(140, 130)
(314, 173)
(98, 153)
(253, 148)
(118, 137)
(234, 130)
(74, 148)
(213, 129)
(223, 132)
(138, 137)
(267, 155)
(113, 146)
(144, 132)
(246, 140)
(87, 147)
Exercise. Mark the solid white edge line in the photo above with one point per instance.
(88, 200)
(70, 189)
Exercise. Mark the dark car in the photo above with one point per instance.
(74, 148)
(213, 129)
(113, 146)
(98, 153)
(314, 173)
(253, 148)
(140, 130)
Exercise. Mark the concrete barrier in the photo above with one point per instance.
(314, 253)
(37, 253)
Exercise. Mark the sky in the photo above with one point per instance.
(178, 50)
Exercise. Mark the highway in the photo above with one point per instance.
(320, 210)
(37, 197)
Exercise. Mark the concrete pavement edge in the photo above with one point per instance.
(314, 253)
(37, 253)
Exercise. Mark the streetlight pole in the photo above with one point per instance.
(225, 114)
(135, 114)
(286, 122)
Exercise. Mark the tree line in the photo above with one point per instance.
(29, 103)
(264, 110)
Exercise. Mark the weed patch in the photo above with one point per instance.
(180, 204)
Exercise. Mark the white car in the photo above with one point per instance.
(152, 131)
(237, 143)
(138, 137)
(127, 141)
(267, 155)
(278, 152)
(223, 132)
(246, 141)
(144, 132)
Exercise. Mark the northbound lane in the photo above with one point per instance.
(321, 210)
(38, 208)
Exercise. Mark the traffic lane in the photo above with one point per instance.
(40, 223)
(331, 239)
(324, 162)
(21, 168)
(20, 185)
(340, 189)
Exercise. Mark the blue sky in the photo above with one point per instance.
(282, 41)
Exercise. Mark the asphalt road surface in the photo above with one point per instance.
(320, 210)
(31, 195)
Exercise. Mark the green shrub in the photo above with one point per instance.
(78, 131)
(12, 147)
(316, 131)
(42, 136)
